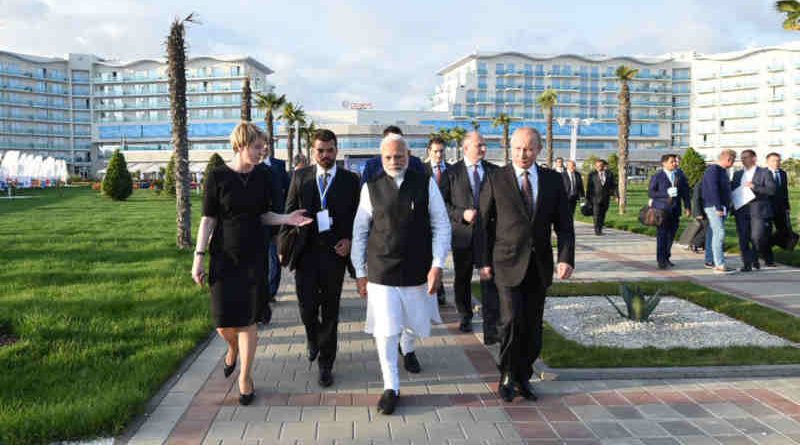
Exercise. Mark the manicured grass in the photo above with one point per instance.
(559, 352)
(637, 197)
(103, 306)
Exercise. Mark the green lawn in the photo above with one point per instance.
(559, 352)
(637, 197)
(103, 306)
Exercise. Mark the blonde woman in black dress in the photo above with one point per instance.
(235, 208)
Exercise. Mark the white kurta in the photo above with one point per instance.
(390, 309)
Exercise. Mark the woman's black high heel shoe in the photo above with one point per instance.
(246, 399)
(228, 369)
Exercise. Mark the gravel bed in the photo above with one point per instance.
(592, 321)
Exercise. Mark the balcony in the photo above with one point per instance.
(740, 129)
(775, 68)
(739, 86)
(776, 97)
(703, 89)
(773, 113)
(30, 89)
(32, 75)
(739, 100)
(648, 103)
(775, 128)
(739, 72)
(706, 102)
(707, 117)
(560, 74)
(775, 82)
(775, 142)
(34, 118)
(34, 103)
(739, 115)
(706, 76)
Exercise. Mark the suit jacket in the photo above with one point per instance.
(342, 203)
(280, 183)
(780, 200)
(657, 191)
(513, 239)
(457, 196)
(763, 188)
(429, 171)
(578, 192)
(599, 193)
(374, 167)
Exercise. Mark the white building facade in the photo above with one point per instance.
(747, 100)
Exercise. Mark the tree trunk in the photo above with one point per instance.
(299, 145)
(270, 121)
(290, 145)
(176, 57)
(246, 97)
(549, 137)
(505, 143)
(623, 124)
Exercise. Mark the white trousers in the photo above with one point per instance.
(387, 355)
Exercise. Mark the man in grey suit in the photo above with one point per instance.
(754, 219)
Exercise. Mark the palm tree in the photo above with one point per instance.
(176, 68)
(247, 94)
(292, 114)
(503, 120)
(457, 135)
(476, 126)
(792, 10)
(624, 75)
(270, 103)
(307, 133)
(547, 100)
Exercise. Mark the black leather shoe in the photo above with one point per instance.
(745, 269)
(465, 325)
(490, 339)
(313, 352)
(228, 369)
(388, 402)
(325, 377)
(506, 388)
(770, 265)
(246, 399)
(411, 363)
(670, 263)
(662, 266)
(526, 390)
(757, 265)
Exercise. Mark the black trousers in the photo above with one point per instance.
(753, 237)
(464, 263)
(781, 222)
(665, 235)
(521, 312)
(318, 279)
(573, 202)
(599, 210)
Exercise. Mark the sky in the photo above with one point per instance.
(386, 53)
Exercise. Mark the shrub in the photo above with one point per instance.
(639, 307)
(213, 162)
(693, 164)
(117, 184)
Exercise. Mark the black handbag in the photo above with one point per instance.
(651, 216)
(586, 208)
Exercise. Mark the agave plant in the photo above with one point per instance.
(639, 307)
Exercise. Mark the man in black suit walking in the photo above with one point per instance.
(520, 205)
(753, 220)
(573, 184)
(321, 250)
(780, 203)
(465, 181)
(279, 186)
(599, 190)
(436, 167)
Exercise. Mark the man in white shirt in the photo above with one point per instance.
(401, 238)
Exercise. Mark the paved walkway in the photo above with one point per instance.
(453, 401)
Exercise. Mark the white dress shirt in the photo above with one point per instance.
(748, 174)
(440, 226)
(533, 177)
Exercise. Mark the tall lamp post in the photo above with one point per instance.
(573, 139)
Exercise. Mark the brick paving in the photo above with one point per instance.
(453, 400)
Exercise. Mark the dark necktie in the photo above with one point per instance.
(527, 193)
(777, 178)
(476, 179)
(323, 196)
(438, 174)
(571, 184)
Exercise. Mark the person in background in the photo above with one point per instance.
(754, 219)
(599, 190)
(374, 167)
(559, 165)
(300, 161)
(236, 206)
(437, 168)
(280, 186)
(716, 190)
(780, 202)
(573, 184)
(667, 189)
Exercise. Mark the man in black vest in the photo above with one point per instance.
(401, 237)
(573, 184)
(520, 205)
(599, 190)
(465, 181)
(780, 204)
(321, 250)
(437, 168)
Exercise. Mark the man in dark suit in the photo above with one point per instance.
(520, 205)
(437, 168)
(667, 189)
(599, 190)
(322, 249)
(374, 166)
(279, 182)
(573, 184)
(753, 220)
(780, 203)
(465, 181)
